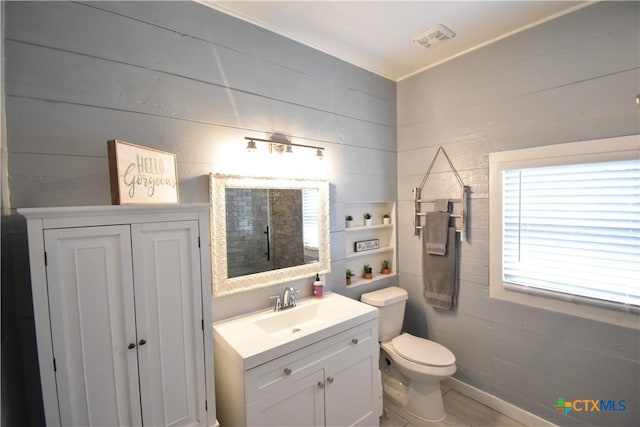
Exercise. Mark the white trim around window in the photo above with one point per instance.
(594, 151)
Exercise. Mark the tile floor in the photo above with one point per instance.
(461, 412)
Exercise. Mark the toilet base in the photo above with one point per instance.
(421, 404)
(422, 400)
(425, 401)
(392, 405)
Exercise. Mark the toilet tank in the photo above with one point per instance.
(390, 302)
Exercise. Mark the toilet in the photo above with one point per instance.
(412, 367)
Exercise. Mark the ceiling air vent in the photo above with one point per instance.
(434, 35)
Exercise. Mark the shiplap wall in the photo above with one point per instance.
(182, 78)
(571, 79)
(178, 77)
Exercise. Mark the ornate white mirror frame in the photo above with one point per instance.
(222, 284)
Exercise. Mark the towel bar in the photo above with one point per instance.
(433, 201)
(425, 214)
(419, 227)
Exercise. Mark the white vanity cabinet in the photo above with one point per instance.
(329, 382)
(121, 296)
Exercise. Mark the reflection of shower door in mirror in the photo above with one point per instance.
(264, 230)
(286, 227)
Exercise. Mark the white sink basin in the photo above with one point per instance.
(300, 320)
(264, 335)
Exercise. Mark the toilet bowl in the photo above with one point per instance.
(412, 367)
(424, 363)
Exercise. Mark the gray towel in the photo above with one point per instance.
(441, 205)
(436, 226)
(439, 274)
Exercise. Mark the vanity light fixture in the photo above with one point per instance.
(281, 146)
(251, 146)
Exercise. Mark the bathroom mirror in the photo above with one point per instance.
(267, 230)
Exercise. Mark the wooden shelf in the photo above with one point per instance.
(367, 227)
(369, 253)
(376, 276)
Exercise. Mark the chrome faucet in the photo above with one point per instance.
(289, 298)
(278, 305)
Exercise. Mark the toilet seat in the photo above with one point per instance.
(422, 351)
(417, 371)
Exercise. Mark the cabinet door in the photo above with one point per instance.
(169, 323)
(299, 404)
(90, 287)
(351, 392)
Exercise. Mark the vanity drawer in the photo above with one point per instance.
(271, 376)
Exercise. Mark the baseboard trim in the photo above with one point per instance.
(493, 402)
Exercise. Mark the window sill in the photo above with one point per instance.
(566, 306)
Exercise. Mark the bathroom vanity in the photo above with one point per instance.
(315, 364)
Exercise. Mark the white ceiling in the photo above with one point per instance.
(377, 35)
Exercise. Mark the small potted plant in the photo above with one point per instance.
(367, 272)
(386, 219)
(386, 267)
(367, 219)
(350, 274)
(348, 221)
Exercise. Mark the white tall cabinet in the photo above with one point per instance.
(121, 299)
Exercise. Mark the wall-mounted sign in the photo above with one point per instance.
(367, 245)
(141, 175)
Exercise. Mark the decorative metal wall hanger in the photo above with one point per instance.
(462, 201)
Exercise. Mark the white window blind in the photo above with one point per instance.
(310, 209)
(573, 230)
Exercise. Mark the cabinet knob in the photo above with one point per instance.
(142, 342)
(131, 346)
(320, 384)
(354, 341)
(330, 380)
(287, 371)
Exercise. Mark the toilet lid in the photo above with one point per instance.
(422, 351)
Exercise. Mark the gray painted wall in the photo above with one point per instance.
(178, 77)
(571, 79)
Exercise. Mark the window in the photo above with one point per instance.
(565, 228)
(310, 209)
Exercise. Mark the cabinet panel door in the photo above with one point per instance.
(169, 320)
(299, 404)
(351, 392)
(90, 286)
